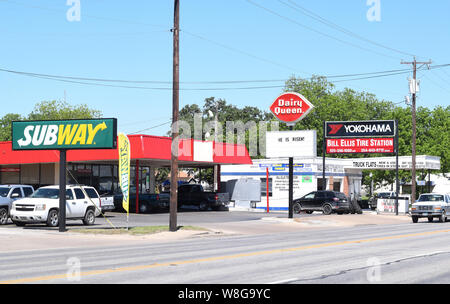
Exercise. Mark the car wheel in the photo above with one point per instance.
(327, 209)
(53, 218)
(443, 217)
(203, 206)
(89, 217)
(143, 208)
(430, 219)
(297, 208)
(3, 216)
(415, 219)
(19, 224)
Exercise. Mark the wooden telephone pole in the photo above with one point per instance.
(413, 141)
(175, 112)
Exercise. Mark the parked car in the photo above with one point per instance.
(431, 205)
(8, 194)
(325, 201)
(376, 196)
(195, 195)
(107, 203)
(43, 206)
(148, 202)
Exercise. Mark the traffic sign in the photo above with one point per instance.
(291, 107)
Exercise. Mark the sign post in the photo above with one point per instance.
(62, 190)
(63, 135)
(290, 108)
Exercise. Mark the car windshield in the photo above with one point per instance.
(431, 198)
(4, 192)
(46, 193)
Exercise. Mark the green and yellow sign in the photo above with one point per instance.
(64, 134)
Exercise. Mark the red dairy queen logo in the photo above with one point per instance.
(291, 107)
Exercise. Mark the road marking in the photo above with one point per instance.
(219, 258)
(284, 281)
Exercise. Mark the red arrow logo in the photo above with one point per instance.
(335, 129)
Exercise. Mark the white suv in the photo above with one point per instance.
(82, 203)
(431, 205)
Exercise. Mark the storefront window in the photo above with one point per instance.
(264, 187)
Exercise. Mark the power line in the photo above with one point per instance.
(153, 127)
(233, 49)
(73, 78)
(341, 29)
(317, 31)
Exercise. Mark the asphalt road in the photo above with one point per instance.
(399, 253)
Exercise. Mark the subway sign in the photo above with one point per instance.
(64, 134)
(374, 128)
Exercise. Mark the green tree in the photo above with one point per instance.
(58, 110)
(5, 125)
(48, 110)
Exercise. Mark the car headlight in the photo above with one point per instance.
(40, 207)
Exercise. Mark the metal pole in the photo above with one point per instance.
(267, 188)
(175, 112)
(291, 184)
(397, 185)
(137, 171)
(413, 141)
(62, 191)
(324, 148)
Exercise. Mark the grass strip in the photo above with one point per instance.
(140, 230)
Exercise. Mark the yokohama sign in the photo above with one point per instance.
(360, 129)
(360, 145)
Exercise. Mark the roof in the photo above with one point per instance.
(143, 147)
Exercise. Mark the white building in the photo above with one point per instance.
(343, 175)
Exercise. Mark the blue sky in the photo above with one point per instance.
(220, 41)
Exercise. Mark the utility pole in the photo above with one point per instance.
(413, 110)
(175, 112)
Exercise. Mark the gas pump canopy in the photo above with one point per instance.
(145, 148)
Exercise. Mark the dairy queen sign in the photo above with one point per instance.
(291, 107)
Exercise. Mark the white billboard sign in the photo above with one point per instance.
(291, 144)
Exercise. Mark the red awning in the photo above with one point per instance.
(143, 147)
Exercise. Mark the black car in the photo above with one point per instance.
(325, 201)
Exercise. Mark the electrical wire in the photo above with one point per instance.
(74, 79)
(318, 32)
(341, 29)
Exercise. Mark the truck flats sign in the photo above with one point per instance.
(64, 134)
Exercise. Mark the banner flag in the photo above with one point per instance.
(124, 170)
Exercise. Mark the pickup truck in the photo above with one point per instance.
(431, 205)
(8, 194)
(107, 203)
(82, 203)
(374, 199)
(148, 202)
(194, 194)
